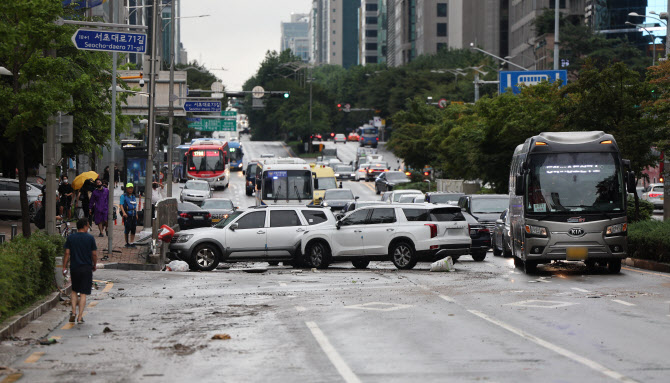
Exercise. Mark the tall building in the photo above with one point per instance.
(295, 35)
(369, 38)
(483, 23)
(333, 32)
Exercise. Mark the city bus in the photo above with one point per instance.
(284, 183)
(179, 172)
(568, 200)
(235, 155)
(369, 136)
(208, 160)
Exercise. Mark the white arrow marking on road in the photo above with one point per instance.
(332, 354)
(623, 302)
(541, 304)
(557, 349)
(581, 290)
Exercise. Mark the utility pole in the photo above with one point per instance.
(168, 176)
(152, 117)
(110, 202)
(557, 16)
(50, 192)
(476, 86)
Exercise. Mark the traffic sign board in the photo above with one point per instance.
(347, 108)
(229, 113)
(214, 125)
(109, 41)
(442, 103)
(258, 92)
(202, 106)
(510, 79)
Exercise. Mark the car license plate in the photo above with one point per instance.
(198, 217)
(215, 220)
(577, 253)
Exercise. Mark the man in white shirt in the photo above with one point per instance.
(156, 195)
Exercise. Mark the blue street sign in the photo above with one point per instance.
(510, 79)
(202, 106)
(109, 41)
(193, 119)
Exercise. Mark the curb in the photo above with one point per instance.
(647, 265)
(19, 321)
(131, 267)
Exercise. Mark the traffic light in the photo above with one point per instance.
(286, 95)
(339, 107)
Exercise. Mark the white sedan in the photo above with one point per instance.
(361, 172)
(340, 138)
(196, 191)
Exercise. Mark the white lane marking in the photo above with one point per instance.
(541, 304)
(447, 298)
(300, 309)
(623, 302)
(378, 306)
(332, 354)
(282, 284)
(581, 290)
(423, 287)
(557, 349)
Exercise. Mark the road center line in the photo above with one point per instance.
(581, 290)
(108, 287)
(623, 302)
(557, 349)
(332, 354)
(34, 357)
(447, 298)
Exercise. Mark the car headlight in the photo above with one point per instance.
(183, 238)
(616, 229)
(353, 175)
(536, 231)
(325, 204)
(337, 174)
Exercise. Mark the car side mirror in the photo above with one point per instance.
(518, 186)
(499, 221)
(356, 198)
(338, 224)
(234, 226)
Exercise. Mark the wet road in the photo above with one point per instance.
(484, 322)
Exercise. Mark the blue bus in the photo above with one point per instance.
(369, 136)
(236, 155)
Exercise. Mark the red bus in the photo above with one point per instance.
(208, 160)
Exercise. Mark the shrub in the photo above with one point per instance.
(423, 186)
(649, 240)
(646, 210)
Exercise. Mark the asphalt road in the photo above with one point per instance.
(484, 322)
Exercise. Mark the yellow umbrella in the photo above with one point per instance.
(80, 179)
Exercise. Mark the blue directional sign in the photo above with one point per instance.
(202, 106)
(511, 79)
(193, 119)
(109, 41)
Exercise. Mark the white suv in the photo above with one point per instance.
(262, 234)
(402, 233)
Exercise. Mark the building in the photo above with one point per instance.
(484, 23)
(369, 39)
(333, 32)
(295, 35)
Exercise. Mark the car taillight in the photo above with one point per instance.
(377, 138)
(655, 195)
(484, 230)
(433, 229)
(208, 215)
(191, 168)
(185, 215)
(426, 173)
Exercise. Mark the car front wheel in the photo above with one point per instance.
(478, 256)
(403, 255)
(614, 266)
(205, 257)
(318, 255)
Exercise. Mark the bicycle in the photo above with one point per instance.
(64, 228)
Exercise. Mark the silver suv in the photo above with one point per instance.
(260, 234)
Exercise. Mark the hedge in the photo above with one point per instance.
(646, 210)
(649, 240)
(27, 270)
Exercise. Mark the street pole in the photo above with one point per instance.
(557, 15)
(168, 176)
(152, 118)
(49, 197)
(476, 86)
(110, 202)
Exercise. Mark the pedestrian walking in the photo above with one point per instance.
(85, 204)
(128, 208)
(117, 176)
(99, 206)
(156, 195)
(65, 192)
(105, 174)
(81, 253)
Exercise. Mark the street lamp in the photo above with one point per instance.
(662, 15)
(472, 46)
(653, 40)
(5, 72)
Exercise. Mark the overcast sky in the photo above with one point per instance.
(236, 35)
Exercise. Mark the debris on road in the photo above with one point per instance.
(48, 341)
(177, 266)
(221, 337)
(106, 330)
(255, 270)
(444, 264)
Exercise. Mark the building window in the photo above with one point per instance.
(333, 31)
(370, 7)
(441, 46)
(334, 21)
(441, 29)
(333, 42)
(371, 20)
(552, 4)
(370, 46)
(371, 59)
(370, 33)
(441, 9)
(334, 10)
(333, 53)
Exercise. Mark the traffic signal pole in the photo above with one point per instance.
(152, 117)
(168, 176)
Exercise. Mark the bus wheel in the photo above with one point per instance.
(614, 266)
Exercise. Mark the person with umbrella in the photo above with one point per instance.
(99, 206)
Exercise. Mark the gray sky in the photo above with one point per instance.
(236, 35)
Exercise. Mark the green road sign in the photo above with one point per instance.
(208, 125)
(228, 113)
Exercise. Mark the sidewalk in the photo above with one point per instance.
(120, 253)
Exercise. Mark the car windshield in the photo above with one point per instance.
(344, 169)
(406, 199)
(224, 222)
(251, 169)
(574, 182)
(325, 183)
(396, 196)
(187, 206)
(489, 205)
(451, 199)
(338, 194)
(218, 204)
(657, 189)
(396, 176)
(197, 186)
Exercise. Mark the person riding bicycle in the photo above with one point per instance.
(128, 208)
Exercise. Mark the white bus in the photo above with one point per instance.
(283, 183)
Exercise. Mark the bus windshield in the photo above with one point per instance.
(369, 131)
(574, 182)
(287, 185)
(235, 154)
(325, 183)
(206, 160)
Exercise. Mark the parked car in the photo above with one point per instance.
(335, 199)
(353, 136)
(485, 208)
(480, 236)
(344, 172)
(10, 203)
(403, 234)
(442, 197)
(502, 244)
(196, 191)
(192, 216)
(250, 177)
(372, 171)
(357, 204)
(220, 208)
(264, 233)
(411, 198)
(654, 194)
(340, 138)
(394, 195)
(388, 180)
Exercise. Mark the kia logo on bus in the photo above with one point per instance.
(576, 232)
